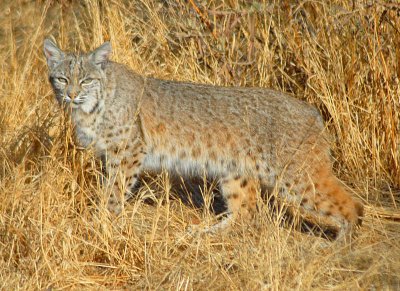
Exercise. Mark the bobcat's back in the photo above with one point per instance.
(235, 122)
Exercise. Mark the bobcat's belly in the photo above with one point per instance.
(186, 162)
(183, 166)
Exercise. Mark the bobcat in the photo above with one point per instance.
(247, 138)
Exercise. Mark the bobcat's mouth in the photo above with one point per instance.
(75, 101)
(72, 103)
(81, 103)
(67, 99)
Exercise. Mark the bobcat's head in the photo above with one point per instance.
(77, 79)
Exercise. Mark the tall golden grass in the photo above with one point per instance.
(342, 56)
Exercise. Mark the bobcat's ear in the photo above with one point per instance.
(53, 54)
(100, 55)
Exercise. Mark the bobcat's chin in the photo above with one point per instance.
(90, 106)
(87, 105)
(67, 103)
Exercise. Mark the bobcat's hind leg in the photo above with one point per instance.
(336, 203)
(324, 197)
(240, 194)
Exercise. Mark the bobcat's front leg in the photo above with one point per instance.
(123, 168)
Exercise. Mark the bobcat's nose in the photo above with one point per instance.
(71, 93)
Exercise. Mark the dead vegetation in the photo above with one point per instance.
(342, 56)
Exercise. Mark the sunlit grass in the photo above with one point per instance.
(53, 229)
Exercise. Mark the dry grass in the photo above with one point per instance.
(344, 57)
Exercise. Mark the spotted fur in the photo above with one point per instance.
(249, 138)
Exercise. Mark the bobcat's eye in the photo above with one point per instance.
(86, 81)
(62, 80)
